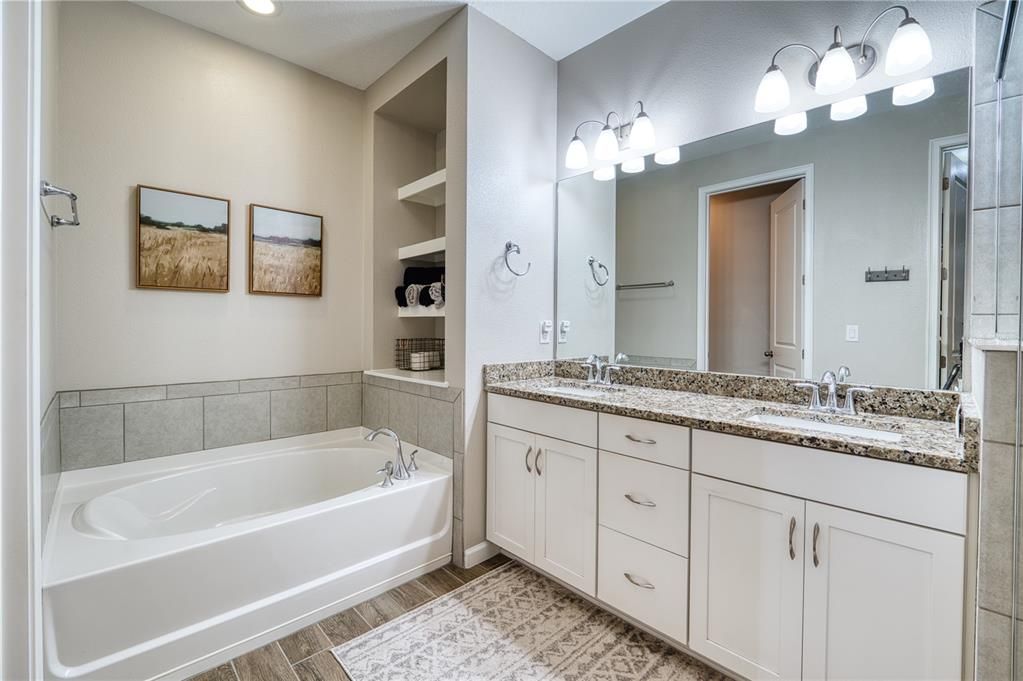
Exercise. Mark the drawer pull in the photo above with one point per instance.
(816, 536)
(648, 504)
(529, 469)
(640, 440)
(641, 584)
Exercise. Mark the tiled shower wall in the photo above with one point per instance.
(995, 182)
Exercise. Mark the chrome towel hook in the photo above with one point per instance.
(509, 248)
(48, 189)
(594, 266)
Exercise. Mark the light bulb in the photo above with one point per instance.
(909, 50)
(634, 165)
(606, 148)
(641, 136)
(911, 93)
(791, 124)
(665, 157)
(576, 157)
(604, 173)
(773, 92)
(849, 108)
(261, 7)
(836, 72)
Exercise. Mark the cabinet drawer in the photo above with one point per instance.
(563, 423)
(645, 500)
(657, 442)
(656, 593)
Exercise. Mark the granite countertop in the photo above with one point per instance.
(924, 442)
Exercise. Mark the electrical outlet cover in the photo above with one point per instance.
(546, 330)
(563, 328)
(852, 333)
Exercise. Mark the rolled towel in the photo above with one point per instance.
(399, 294)
(423, 276)
(424, 296)
(412, 292)
(437, 293)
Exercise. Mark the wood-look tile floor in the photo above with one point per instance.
(305, 655)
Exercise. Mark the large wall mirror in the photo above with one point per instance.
(782, 255)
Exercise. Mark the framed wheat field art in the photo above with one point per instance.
(285, 252)
(183, 240)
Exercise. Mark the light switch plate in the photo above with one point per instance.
(546, 330)
(563, 328)
(852, 333)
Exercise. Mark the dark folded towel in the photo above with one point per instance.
(399, 293)
(423, 275)
(424, 296)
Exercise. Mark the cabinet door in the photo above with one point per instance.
(566, 512)
(883, 599)
(746, 579)
(511, 489)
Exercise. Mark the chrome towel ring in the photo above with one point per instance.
(594, 266)
(509, 248)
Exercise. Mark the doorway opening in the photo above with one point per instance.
(954, 211)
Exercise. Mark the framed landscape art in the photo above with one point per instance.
(285, 252)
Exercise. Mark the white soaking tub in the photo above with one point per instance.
(163, 568)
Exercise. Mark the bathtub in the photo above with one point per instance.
(159, 569)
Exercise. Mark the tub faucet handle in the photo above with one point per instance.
(388, 472)
(412, 465)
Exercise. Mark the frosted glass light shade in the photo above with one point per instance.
(791, 124)
(606, 148)
(576, 158)
(634, 165)
(773, 92)
(641, 136)
(604, 174)
(665, 157)
(262, 7)
(837, 73)
(849, 108)
(909, 50)
(911, 93)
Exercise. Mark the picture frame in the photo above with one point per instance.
(285, 252)
(182, 240)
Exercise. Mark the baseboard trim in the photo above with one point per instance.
(474, 555)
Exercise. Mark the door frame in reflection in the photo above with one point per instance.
(804, 172)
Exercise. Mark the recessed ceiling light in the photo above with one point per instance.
(263, 8)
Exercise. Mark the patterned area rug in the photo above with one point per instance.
(513, 625)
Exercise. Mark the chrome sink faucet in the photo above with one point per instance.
(399, 470)
(599, 372)
(831, 381)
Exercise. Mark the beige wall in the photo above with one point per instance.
(146, 99)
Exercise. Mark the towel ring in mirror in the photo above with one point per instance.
(594, 266)
(509, 248)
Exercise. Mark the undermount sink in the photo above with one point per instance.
(582, 390)
(825, 427)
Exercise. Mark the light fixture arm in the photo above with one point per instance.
(812, 51)
(863, 41)
(576, 134)
(607, 120)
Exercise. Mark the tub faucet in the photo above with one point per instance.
(401, 471)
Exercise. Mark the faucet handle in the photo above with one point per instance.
(844, 373)
(412, 465)
(815, 397)
(388, 472)
(850, 401)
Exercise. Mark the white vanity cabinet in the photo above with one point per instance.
(785, 586)
(542, 490)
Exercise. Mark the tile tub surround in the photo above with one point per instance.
(109, 426)
(924, 442)
(424, 415)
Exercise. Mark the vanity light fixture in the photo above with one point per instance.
(840, 67)
(637, 134)
(848, 109)
(604, 173)
(911, 93)
(634, 165)
(666, 157)
(263, 8)
(792, 124)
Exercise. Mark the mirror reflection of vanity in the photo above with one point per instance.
(781, 255)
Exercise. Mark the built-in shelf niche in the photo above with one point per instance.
(421, 311)
(428, 190)
(432, 250)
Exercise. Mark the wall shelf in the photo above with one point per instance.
(432, 250)
(420, 311)
(428, 190)
(434, 377)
